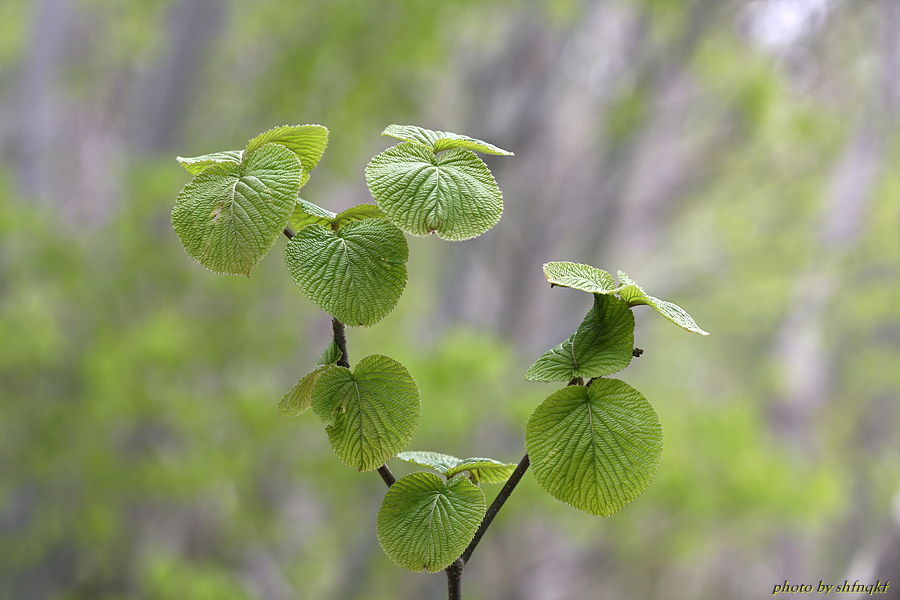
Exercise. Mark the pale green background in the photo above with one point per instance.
(741, 159)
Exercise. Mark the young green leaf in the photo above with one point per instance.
(441, 140)
(297, 401)
(198, 164)
(230, 215)
(307, 142)
(306, 213)
(579, 276)
(595, 447)
(371, 413)
(453, 194)
(330, 355)
(357, 213)
(356, 274)
(426, 522)
(485, 470)
(602, 345)
(634, 294)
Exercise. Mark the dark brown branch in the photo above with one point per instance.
(289, 232)
(340, 340)
(496, 505)
(386, 474)
(454, 579)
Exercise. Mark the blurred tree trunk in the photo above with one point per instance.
(166, 92)
(595, 114)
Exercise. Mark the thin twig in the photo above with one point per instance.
(386, 474)
(340, 340)
(496, 505)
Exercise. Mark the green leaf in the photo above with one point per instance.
(306, 213)
(595, 447)
(426, 522)
(356, 274)
(634, 294)
(307, 142)
(453, 194)
(602, 345)
(370, 414)
(330, 355)
(357, 213)
(597, 281)
(229, 216)
(441, 140)
(198, 164)
(297, 401)
(486, 470)
(579, 276)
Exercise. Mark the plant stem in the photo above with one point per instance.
(289, 232)
(496, 505)
(454, 579)
(340, 340)
(386, 474)
(455, 570)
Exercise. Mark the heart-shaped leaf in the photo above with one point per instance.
(595, 447)
(441, 140)
(356, 274)
(453, 195)
(602, 345)
(485, 470)
(426, 522)
(371, 413)
(229, 216)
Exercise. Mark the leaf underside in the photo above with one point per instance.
(197, 164)
(486, 470)
(634, 294)
(306, 213)
(441, 140)
(590, 279)
(579, 276)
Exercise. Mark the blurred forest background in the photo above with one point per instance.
(739, 158)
